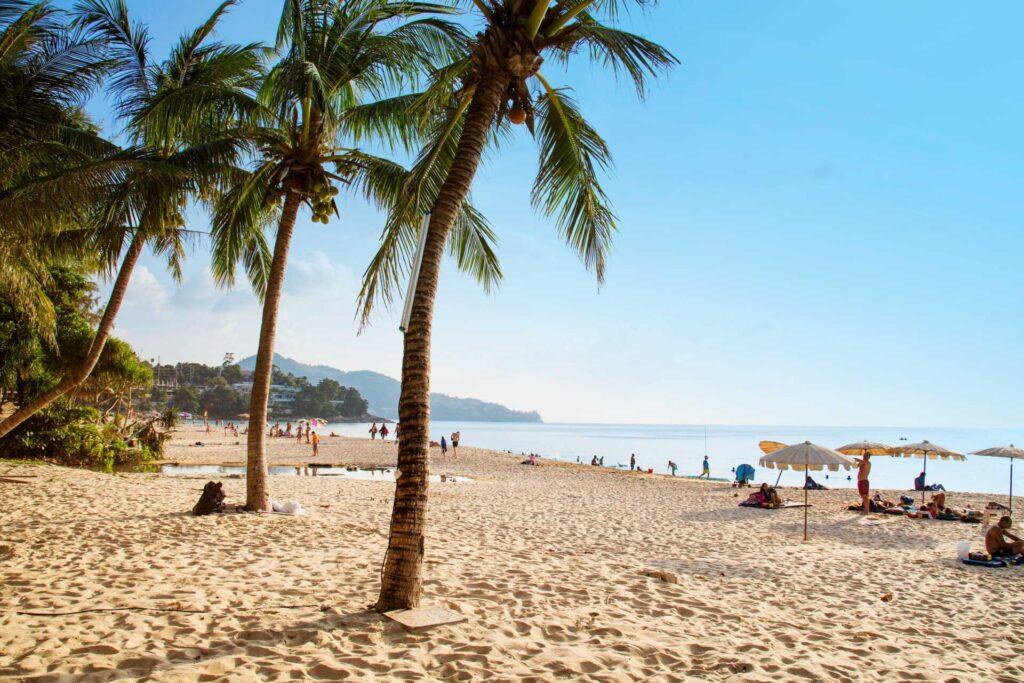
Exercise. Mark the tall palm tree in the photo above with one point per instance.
(498, 79)
(335, 59)
(176, 114)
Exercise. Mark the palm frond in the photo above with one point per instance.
(637, 57)
(567, 185)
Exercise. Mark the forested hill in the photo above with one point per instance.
(381, 392)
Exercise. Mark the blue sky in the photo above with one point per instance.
(819, 224)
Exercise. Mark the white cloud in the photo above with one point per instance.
(144, 289)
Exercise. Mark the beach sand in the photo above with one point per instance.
(545, 564)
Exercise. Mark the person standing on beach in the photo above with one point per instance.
(672, 468)
(383, 431)
(455, 443)
(444, 446)
(632, 461)
(706, 469)
(373, 431)
(863, 487)
(316, 445)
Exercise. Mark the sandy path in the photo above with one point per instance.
(544, 562)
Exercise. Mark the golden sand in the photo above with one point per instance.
(546, 563)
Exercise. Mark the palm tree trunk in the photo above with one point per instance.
(257, 492)
(401, 577)
(75, 378)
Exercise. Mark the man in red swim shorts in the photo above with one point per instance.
(863, 487)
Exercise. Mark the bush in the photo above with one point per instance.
(71, 435)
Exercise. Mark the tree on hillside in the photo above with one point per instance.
(498, 78)
(328, 399)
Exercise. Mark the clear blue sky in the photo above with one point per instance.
(820, 224)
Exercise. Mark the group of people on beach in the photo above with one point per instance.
(383, 431)
(455, 443)
(302, 428)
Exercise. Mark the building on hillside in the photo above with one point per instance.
(281, 396)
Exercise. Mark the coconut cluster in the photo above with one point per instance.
(322, 201)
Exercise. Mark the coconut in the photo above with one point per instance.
(517, 115)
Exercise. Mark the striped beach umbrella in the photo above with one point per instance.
(1011, 452)
(863, 448)
(806, 456)
(928, 451)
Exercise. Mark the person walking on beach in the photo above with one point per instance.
(444, 446)
(373, 431)
(632, 461)
(672, 468)
(383, 431)
(706, 471)
(316, 445)
(863, 487)
(455, 443)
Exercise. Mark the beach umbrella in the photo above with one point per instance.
(1010, 452)
(926, 450)
(807, 456)
(771, 446)
(865, 448)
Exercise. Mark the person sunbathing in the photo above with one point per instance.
(764, 497)
(996, 542)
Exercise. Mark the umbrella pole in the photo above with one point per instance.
(805, 500)
(925, 487)
(778, 478)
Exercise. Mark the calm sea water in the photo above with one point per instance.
(729, 446)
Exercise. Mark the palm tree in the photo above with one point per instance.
(315, 103)
(498, 79)
(175, 114)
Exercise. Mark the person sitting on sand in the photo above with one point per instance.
(812, 485)
(764, 497)
(996, 543)
(919, 484)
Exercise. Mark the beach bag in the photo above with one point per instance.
(211, 500)
(963, 549)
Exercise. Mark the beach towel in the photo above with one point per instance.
(985, 563)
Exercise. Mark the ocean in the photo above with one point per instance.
(731, 445)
